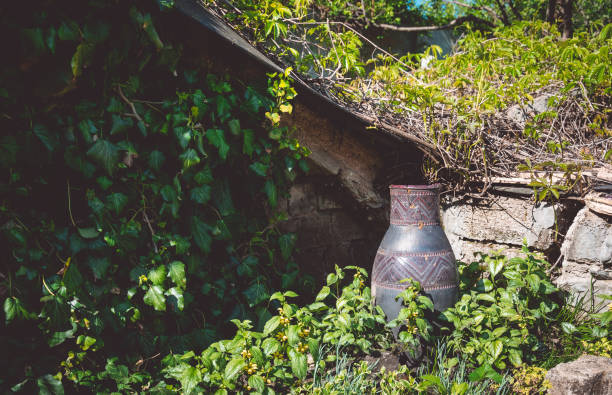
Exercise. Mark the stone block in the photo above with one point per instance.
(589, 239)
(505, 221)
(587, 375)
(302, 200)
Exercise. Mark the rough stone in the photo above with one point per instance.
(589, 239)
(587, 375)
(465, 250)
(506, 221)
(587, 251)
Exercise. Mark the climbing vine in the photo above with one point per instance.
(140, 194)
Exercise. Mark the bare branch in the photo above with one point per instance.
(456, 22)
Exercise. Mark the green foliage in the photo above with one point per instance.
(506, 308)
(276, 358)
(132, 223)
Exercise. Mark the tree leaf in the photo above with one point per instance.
(322, 293)
(157, 275)
(176, 298)
(234, 126)
(155, 297)
(190, 158)
(105, 153)
(248, 142)
(270, 190)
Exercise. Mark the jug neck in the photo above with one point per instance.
(415, 205)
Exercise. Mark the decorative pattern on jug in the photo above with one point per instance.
(416, 247)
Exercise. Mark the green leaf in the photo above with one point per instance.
(484, 285)
(201, 194)
(155, 297)
(49, 385)
(534, 282)
(120, 124)
(157, 275)
(299, 363)
(190, 158)
(201, 234)
(270, 346)
(176, 298)
(234, 126)
(189, 376)
(13, 309)
(259, 168)
(105, 153)
(81, 58)
(257, 382)
(216, 138)
(248, 142)
(495, 266)
(204, 176)
(256, 293)
(233, 368)
(88, 233)
(270, 190)
(424, 300)
(292, 335)
(271, 325)
(116, 202)
(515, 357)
(156, 159)
(568, 328)
(176, 272)
(322, 293)
(286, 243)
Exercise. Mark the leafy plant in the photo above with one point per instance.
(503, 318)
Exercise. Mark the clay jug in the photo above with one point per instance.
(416, 247)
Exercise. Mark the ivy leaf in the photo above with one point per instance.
(157, 275)
(48, 385)
(286, 243)
(176, 298)
(177, 274)
(234, 367)
(201, 234)
(81, 58)
(259, 168)
(88, 233)
(155, 297)
(234, 126)
(189, 157)
(215, 137)
(105, 153)
(204, 176)
(568, 328)
(99, 266)
(201, 194)
(515, 357)
(120, 124)
(256, 293)
(13, 309)
(248, 142)
(156, 160)
(117, 201)
(270, 190)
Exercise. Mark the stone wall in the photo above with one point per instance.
(568, 233)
